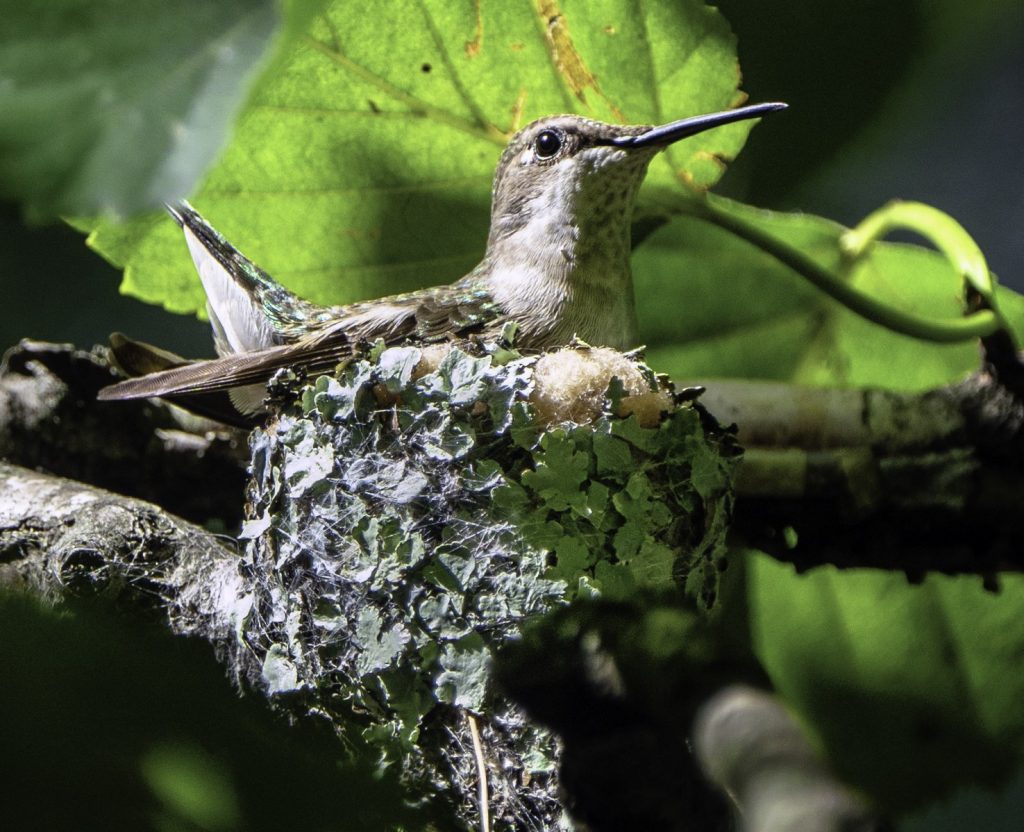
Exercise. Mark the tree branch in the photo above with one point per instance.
(913, 481)
(60, 539)
(50, 419)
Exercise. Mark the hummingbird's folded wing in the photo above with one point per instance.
(237, 406)
(426, 317)
(460, 309)
(252, 315)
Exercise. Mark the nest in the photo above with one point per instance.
(410, 516)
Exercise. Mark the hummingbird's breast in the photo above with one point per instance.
(558, 253)
(554, 302)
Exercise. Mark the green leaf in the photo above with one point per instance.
(466, 675)
(615, 581)
(597, 504)
(613, 455)
(106, 109)
(913, 689)
(193, 783)
(396, 366)
(646, 439)
(708, 473)
(652, 566)
(742, 313)
(464, 377)
(559, 472)
(381, 643)
(540, 533)
(637, 502)
(572, 557)
(484, 475)
(363, 166)
(510, 499)
(461, 567)
(311, 463)
(628, 539)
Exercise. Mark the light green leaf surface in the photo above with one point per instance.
(466, 675)
(913, 689)
(193, 784)
(738, 312)
(114, 108)
(363, 166)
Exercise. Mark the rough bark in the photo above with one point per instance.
(917, 482)
(50, 419)
(60, 539)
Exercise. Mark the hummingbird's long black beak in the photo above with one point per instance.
(666, 134)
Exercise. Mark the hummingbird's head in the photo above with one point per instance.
(571, 171)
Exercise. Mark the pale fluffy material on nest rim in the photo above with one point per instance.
(570, 385)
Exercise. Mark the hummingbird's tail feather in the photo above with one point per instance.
(248, 309)
(232, 371)
(136, 358)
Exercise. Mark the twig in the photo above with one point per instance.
(481, 769)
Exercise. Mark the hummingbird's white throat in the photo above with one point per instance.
(560, 245)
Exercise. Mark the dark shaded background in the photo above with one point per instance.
(919, 100)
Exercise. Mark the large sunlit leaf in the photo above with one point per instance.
(913, 689)
(114, 108)
(363, 166)
(712, 305)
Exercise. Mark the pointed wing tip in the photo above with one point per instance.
(111, 394)
(180, 211)
(142, 387)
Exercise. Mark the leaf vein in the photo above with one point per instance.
(446, 59)
(432, 111)
(549, 49)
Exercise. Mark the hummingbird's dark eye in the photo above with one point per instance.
(548, 143)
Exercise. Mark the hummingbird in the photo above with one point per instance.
(556, 264)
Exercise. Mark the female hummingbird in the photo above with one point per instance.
(557, 264)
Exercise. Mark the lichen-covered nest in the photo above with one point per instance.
(409, 516)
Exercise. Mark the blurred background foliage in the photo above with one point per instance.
(109, 722)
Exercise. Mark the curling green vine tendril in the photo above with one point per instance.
(940, 228)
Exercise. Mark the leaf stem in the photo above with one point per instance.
(977, 324)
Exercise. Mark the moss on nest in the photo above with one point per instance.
(410, 515)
